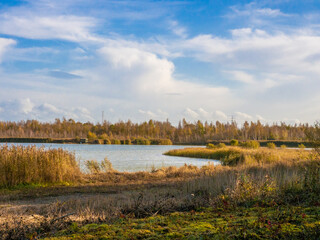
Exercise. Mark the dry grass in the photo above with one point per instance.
(198, 187)
(232, 156)
(106, 197)
(30, 165)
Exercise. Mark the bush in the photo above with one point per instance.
(115, 141)
(107, 141)
(251, 144)
(221, 145)
(210, 146)
(313, 135)
(142, 141)
(301, 146)
(234, 142)
(271, 145)
(104, 136)
(127, 141)
(165, 142)
(98, 141)
(283, 146)
(91, 136)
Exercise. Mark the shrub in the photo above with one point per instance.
(234, 142)
(283, 146)
(210, 146)
(251, 144)
(301, 146)
(98, 141)
(142, 141)
(165, 142)
(271, 145)
(221, 145)
(107, 141)
(127, 141)
(115, 141)
(313, 135)
(91, 136)
(104, 136)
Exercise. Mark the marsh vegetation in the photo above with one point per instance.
(264, 192)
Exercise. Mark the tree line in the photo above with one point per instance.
(185, 132)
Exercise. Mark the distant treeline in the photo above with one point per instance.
(122, 132)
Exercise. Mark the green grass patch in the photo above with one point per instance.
(284, 222)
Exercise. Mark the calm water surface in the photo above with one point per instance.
(127, 157)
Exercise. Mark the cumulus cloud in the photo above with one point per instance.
(135, 73)
(256, 50)
(20, 109)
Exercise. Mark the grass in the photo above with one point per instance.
(209, 223)
(278, 201)
(269, 194)
(232, 156)
(31, 165)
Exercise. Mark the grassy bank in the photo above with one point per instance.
(252, 199)
(232, 156)
(209, 223)
(278, 201)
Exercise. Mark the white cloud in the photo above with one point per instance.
(66, 27)
(177, 29)
(221, 115)
(259, 58)
(5, 43)
(20, 109)
(189, 113)
(260, 118)
(241, 77)
(148, 114)
(203, 113)
(144, 76)
(242, 115)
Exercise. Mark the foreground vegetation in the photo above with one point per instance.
(270, 194)
(31, 165)
(256, 222)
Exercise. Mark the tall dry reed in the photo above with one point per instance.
(32, 165)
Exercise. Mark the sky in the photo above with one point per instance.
(141, 60)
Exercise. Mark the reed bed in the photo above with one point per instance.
(232, 156)
(32, 165)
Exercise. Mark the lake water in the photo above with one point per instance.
(127, 157)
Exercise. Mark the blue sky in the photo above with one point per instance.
(207, 60)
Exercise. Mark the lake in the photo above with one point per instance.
(127, 157)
